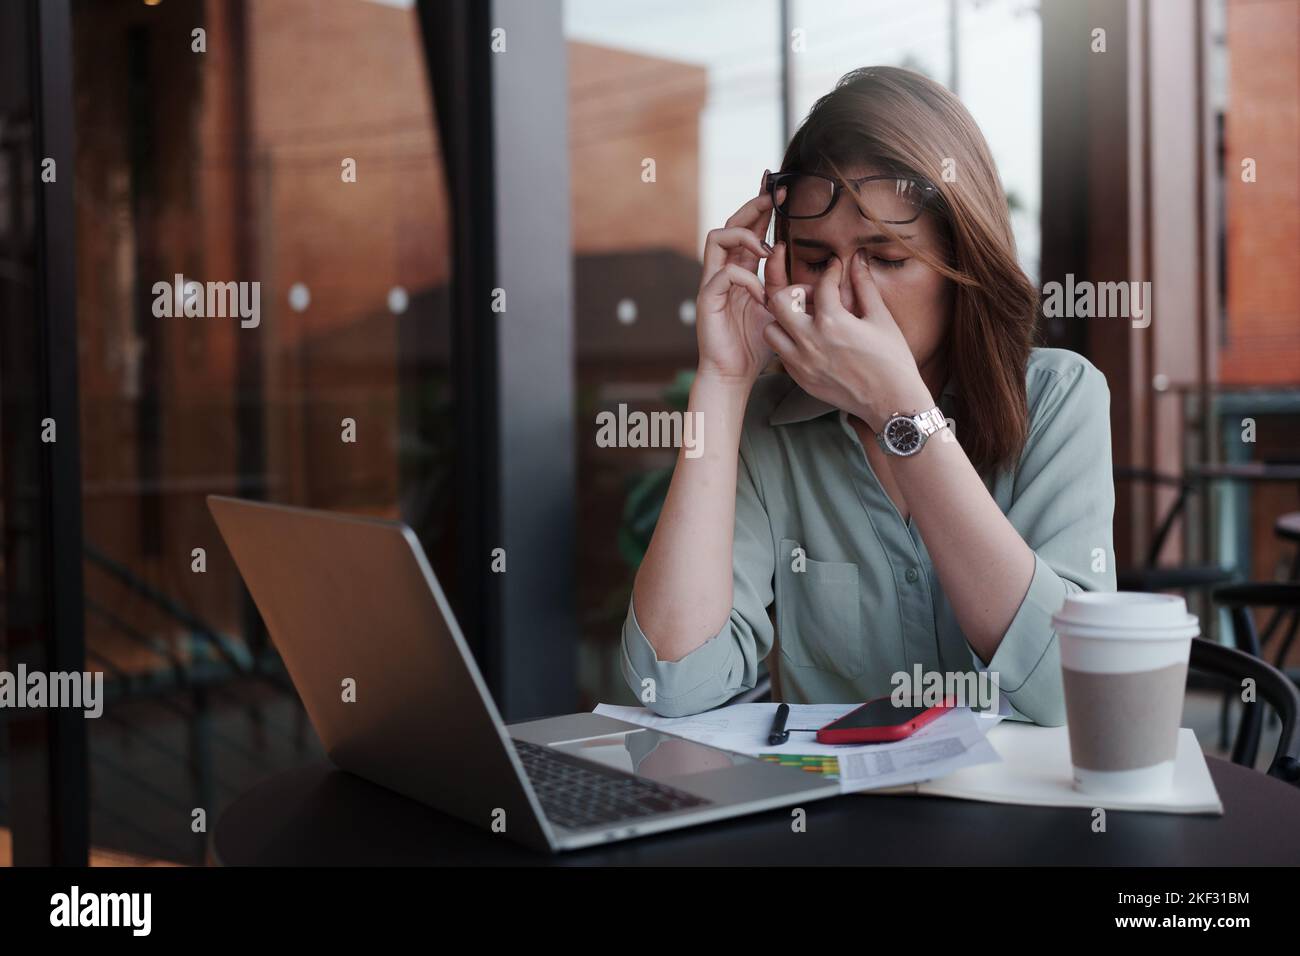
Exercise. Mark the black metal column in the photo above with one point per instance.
(500, 86)
(49, 810)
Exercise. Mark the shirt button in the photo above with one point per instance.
(911, 575)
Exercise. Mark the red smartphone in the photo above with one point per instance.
(879, 721)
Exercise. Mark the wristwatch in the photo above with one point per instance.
(905, 435)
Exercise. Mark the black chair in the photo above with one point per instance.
(1281, 596)
(1286, 528)
(1234, 665)
(1150, 576)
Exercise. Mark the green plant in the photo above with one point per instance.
(646, 493)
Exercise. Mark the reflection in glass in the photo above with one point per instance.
(257, 162)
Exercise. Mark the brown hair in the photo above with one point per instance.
(904, 123)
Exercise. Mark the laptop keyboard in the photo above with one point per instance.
(578, 794)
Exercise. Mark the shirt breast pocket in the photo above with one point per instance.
(819, 613)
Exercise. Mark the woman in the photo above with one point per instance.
(917, 485)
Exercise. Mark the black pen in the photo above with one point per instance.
(779, 734)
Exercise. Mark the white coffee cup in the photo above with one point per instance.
(1124, 665)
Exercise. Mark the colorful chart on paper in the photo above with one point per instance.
(812, 763)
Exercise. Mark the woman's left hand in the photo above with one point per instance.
(861, 364)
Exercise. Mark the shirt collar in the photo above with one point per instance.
(799, 406)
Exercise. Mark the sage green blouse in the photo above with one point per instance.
(867, 602)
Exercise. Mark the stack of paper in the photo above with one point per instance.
(948, 743)
(961, 754)
(1035, 770)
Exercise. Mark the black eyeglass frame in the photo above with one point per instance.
(774, 180)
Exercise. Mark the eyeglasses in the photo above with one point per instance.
(895, 200)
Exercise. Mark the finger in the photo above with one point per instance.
(752, 213)
(775, 276)
(735, 242)
(734, 275)
(779, 341)
(865, 290)
(793, 300)
(827, 290)
(790, 308)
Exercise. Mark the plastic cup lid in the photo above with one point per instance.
(1128, 610)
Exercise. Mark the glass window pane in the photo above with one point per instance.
(675, 111)
(987, 51)
(263, 311)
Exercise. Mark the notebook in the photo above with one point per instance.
(1035, 770)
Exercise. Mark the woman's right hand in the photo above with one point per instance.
(731, 310)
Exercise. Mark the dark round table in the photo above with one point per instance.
(321, 816)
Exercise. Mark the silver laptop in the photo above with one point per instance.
(389, 684)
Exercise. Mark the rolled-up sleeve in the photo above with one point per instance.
(727, 663)
(1063, 506)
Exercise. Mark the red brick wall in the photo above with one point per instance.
(1263, 217)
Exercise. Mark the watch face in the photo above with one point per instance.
(902, 436)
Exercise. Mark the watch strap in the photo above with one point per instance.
(930, 421)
